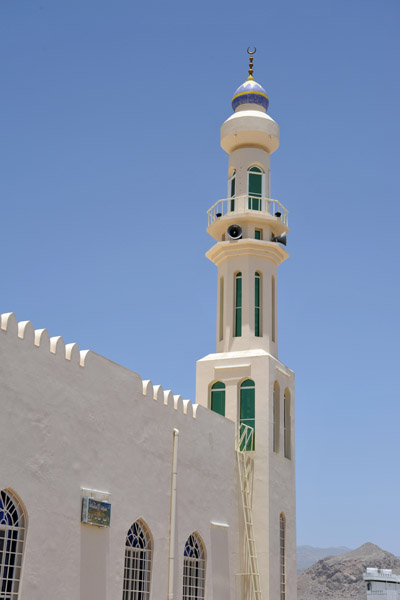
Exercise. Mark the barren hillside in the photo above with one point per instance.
(340, 577)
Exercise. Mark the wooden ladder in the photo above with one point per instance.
(244, 445)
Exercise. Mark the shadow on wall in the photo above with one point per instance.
(94, 552)
(220, 562)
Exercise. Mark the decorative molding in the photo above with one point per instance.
(248, 247)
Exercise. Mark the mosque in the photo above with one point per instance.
(113, 488)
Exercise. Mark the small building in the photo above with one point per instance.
(382, 584)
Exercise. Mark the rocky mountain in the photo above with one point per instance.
(308, 555)
(340, 577)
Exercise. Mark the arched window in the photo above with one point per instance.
(194, 568)
(276, 417)
(255, 186)
(287, 424)
(282, 535)
(218, 398)
(238, 304)
(257, 304)
(221, 308)
(273, 308)
(247, 408)
(137, 572)
(12, 539)
(232, 188)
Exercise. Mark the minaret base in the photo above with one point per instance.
(273, 481)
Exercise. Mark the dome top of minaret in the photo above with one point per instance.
(250, 92)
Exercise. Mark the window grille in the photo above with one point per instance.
(12, 537)
(137, 572)
(282, 528)
(194, 568)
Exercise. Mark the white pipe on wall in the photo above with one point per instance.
(172, 516)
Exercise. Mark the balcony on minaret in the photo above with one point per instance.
(270, 215)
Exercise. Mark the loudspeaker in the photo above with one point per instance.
(234, 232)
(280, 238)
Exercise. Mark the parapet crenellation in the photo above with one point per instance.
(41, 340)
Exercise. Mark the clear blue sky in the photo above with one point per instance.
(110, 157)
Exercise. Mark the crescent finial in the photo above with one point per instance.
(251, 52)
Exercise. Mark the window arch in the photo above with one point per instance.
(287, 424)
(232, 189)
(255, 184)
(276, 417)
(247, 409)
(194, 568)
(273, 308)
(137, 571)
(257, 304)
(238, 305)
(282, 554)
(13, 525)
(218, 398)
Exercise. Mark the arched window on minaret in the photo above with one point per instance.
(194, 568)
(137, 569)
(247, 409)
(232, 188)
(282, 554)
(255, 187)
(13, 523)
(221, 308)
(218, 398)
(238, 305)
(273, 307)
(287, 424)
(257, 304)
(276, 417)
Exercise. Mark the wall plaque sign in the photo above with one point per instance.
(96, 512)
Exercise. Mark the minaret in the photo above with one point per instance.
(244, 380)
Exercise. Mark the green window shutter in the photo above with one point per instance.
(257, 307)
(233, 185)
(257, 234)
(218, 398)
(247, 407)
(255, 188)
(233, 189)
(238, 305)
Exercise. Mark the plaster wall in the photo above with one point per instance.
(72, 420)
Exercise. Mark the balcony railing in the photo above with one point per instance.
(247, 204)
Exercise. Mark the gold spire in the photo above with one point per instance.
(251, 62)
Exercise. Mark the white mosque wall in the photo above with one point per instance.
(72, 420)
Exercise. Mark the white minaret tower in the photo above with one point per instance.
(244, 380)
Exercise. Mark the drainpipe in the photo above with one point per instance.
(172, 516)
